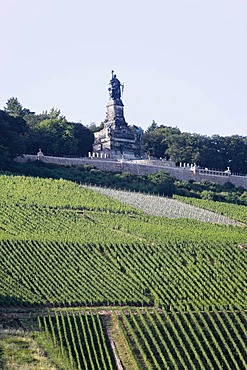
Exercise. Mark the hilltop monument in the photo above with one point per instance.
(117, 139)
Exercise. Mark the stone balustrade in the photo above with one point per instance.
(144, 167)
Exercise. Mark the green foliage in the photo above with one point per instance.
(73, 274)
(63, 245)
(207, 194)
(152, 127)
(53, 134)
(84, 137)
(151, 338)
(94, 128)
(155, 140)
(56, 136)
(235, 211)
(163, 183)
(32, 207)
(49, 131)
(15, 109)
(159, 183)
(216, 152)
(210, 190)
(184, 147)
(18, 350)
(12, 131)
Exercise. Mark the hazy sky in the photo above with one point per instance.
(183, 62)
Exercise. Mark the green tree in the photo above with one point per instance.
(15, 109)
(220, 152)
(152, 127)
(155, 142)
(163, 183)
(12, 132)
(51, 132)
(216, 152)
(94, 128)
(183, 147)
(57, 136)
(235, 155)
(84, 138)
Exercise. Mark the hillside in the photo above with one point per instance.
(172, 208)
(66, 251)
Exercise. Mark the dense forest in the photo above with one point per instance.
(24, 131)
(217, 152)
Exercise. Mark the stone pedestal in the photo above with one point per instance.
(115, 114)
(117, 143)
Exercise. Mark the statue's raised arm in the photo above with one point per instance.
(115, 87)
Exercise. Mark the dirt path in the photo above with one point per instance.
(243, 247)
(102, 311)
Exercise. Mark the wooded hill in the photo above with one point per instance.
(24, 131)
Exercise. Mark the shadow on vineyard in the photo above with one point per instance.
(9, 301)
(2, 362)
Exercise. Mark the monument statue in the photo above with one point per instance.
(115, 87)
(116, 139)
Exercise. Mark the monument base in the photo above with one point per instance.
(117, 143)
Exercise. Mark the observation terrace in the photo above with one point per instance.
(145, 167)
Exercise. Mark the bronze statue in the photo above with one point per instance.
(115, 87)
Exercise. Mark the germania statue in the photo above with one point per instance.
(115, 87)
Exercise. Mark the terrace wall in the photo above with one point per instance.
(142, 167)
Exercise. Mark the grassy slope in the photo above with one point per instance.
(18, 350)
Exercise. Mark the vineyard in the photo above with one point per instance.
(80, 338)
(174, 275)
(184, 340)
(235, 211)
(172, 208)
(58, 210)
(143, 338)
(104, 279)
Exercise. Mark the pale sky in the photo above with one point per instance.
(183, 62)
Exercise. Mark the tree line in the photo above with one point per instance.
(24, 131)
(216, 152)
